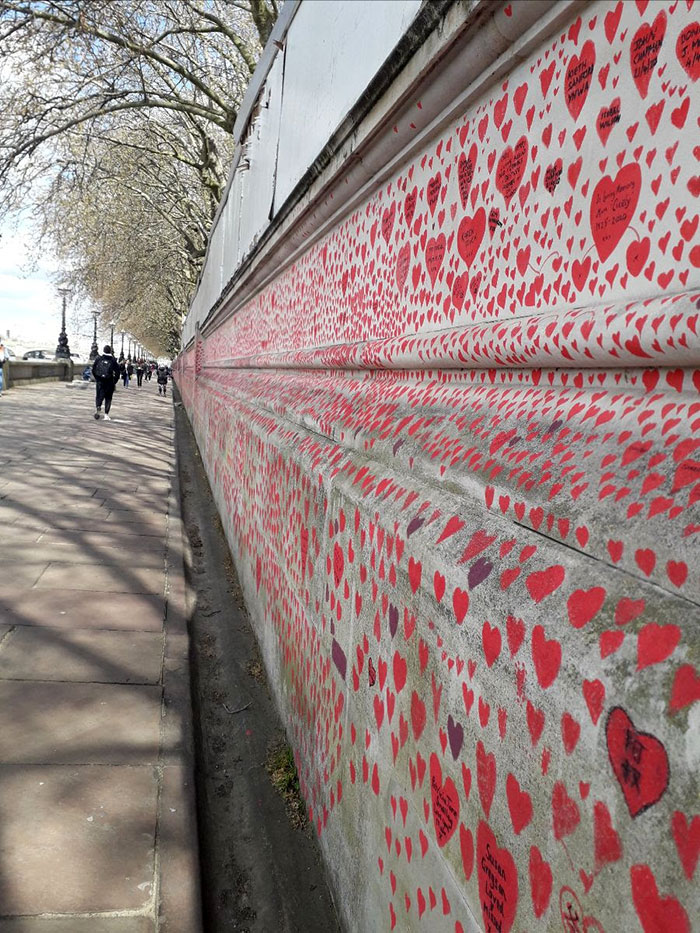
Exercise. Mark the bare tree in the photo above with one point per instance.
(119, 116)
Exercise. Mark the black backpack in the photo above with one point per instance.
(103, 367)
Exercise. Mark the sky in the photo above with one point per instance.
(30, 306)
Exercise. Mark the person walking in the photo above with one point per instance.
(123, 373)
(139, 373)
(162, 378)
(3, 361)
(105, 369)
(130, 370)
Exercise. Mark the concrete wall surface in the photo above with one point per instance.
(455, 443)
(21, 372)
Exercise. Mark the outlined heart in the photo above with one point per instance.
(639, 762)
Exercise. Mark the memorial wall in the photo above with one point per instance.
(454, 439)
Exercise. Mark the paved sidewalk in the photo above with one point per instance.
(97, 824)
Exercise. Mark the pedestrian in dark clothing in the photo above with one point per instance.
(105, 369)
(139, 373)
(123, 373)
(162, 377)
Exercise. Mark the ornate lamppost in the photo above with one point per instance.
(128, 359)
(63, 350)
(111, 335)
(121, 355)
(93, 349)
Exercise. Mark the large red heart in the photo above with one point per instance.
(639, 761)
(511, 168)
(612, 207)
(498, 881)
(470, 235)
(644, 51)
(445, 802)
(687, 50)
(579, 75)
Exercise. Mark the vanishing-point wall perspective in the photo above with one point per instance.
(442, 368)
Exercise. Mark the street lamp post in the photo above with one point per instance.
(128, 359)
(121, 355)
(93, 349)
(111, 335)
(63, 350)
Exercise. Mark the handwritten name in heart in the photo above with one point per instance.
(639, 762)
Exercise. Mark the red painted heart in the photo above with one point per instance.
(612, 207)
(511, 168)
(445, 803)
(498, 881)
(639, 762)
(656, 914)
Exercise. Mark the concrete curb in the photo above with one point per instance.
(178, 899)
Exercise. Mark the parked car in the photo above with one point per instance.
(39, 355)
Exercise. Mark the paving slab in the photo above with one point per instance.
(72, 552)
(23, 575)
(41, 487)
(98, 540)
(89, 656)
(50, 504)
(91, 842)
(87, 609)
(103, 578)
(100, 523)
(65, 723)
(12, 534)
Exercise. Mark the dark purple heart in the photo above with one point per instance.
(393, 619)
(478, 572)
(341, 662)
(455, 734)
(414, 525)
